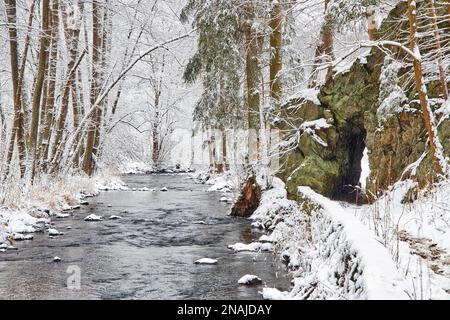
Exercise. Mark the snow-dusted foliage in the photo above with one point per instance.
(392, 98)
(342, 12)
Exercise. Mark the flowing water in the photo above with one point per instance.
(148, 254)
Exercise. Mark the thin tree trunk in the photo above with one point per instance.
(212, 150)
(276, 42)
(430, 123)
(17, 131)
(104, 50)
(155, 135)
(88, 165)
(253, 71)
(21, 96)
(43, 56)
(58, 144)
(71, 22)
(325, 48)
(371, 24)
(48, 106)
(440, 56)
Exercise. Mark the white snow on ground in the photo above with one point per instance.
(391, 249)
(26, 211)
(135, 167)
(225, 182)
(331, 253)
(417, 234)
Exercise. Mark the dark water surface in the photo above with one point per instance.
(148, 254)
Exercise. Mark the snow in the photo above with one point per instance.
(62, 215)
(331, 253)
(27, 211)
(315, 125)
(365, 169)
(53, 232)
(310, 94)
(382, 279)
(22, 237)
(337, 252)
(220, 183)
(206, 261)
(249, 279)
(93, 217)
(238, 247)
(274, 294)
(392, 99)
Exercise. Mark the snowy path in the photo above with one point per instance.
(146, 253)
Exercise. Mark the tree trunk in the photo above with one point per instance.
(253, 71)
(325, 48)
(17, 128)
(276, 42)
(440, 56)
(371, 24)
(48, 107)
(430, 123)
(328, 44)
(88, 165)
(43, 56)
(104, 51)
(155, 133)
(212, 150)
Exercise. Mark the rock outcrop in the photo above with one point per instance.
(349, 104)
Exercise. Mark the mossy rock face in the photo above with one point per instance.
(315, 172)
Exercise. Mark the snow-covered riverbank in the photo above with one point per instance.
(28, 210)
(387, 250)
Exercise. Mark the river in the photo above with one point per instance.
(147, 254)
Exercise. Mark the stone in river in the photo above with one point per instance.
(206, 261)
(249, 279)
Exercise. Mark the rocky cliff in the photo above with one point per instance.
(328, 157)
